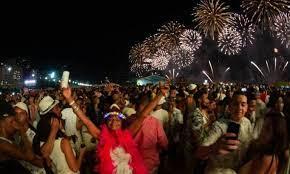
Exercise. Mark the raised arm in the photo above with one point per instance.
(47, 147)
(136, 125)
(94, 131)
(23, 152)
(73, 162)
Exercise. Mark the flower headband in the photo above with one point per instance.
(120, 115)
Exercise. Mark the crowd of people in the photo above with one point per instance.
(151, 129)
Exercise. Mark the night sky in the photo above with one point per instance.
(102, 32)
(93, 40)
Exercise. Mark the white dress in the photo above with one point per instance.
(60, 165)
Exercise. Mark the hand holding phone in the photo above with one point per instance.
(226, 144)
(233, 128)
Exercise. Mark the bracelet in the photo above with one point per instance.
(71, 103)
(75, 108)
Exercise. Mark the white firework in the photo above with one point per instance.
(245, 27)
(190, 40)
(281, 28)
(160, 60)
(230, 41)
(263, 12)
(168, 35)
(211, 17)
(172, 75)
(181, 58)
(139, 69)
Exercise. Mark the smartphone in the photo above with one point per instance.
(65, 79)
(233, 128)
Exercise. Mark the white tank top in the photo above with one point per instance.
(60, 165)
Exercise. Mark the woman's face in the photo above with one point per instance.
(114, 122)
(279, 105)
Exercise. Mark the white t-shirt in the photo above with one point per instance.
(161, 115)
(177, 116)
(70, 121)
(231, 161)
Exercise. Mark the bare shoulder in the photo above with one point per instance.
(65, 143)
(267, 162)
(268, 159)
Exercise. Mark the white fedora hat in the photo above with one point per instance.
(46, 104)
(129, 111)
(22, 106)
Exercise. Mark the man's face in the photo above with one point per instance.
(212, 106)
(238, 107)
(21, 116)
(10, 125)
(279, 105)
(252, 106)
(173, 93)
(204, 101)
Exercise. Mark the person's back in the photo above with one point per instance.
(151, 139)
(58, 158)
(58, 148)
(161, 115)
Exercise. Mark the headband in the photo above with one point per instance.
(120, 115)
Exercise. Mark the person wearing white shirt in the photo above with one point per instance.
(224, 154)
(160, 113)
(21, 111)
(71, 124)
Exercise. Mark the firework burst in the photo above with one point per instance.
(181, 58)
(245, 27)
(190, 40)
(160, 60)
(215, 76)
(139, 60)
(168, 35)
(149, 46)
(263, 12)
(135, 53)
(272, 72)
(230, 41)
(211, 17)
(281, 28)
(172, 75)
(140, 69)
